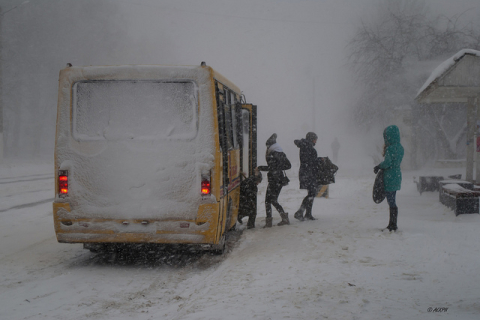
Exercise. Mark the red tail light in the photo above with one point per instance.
(63, 182)
(206, 187)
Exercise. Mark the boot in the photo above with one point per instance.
(395, 216)
(308, 215)
(308, 208)
(268, 222)
(284, 219)
(251, 223)
(392, 225)
(299, 215)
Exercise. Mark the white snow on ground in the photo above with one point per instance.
(340, 266)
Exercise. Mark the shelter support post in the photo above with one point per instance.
(477, 136)
(471, 123)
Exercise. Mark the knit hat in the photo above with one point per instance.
(272, 140)
(258, 177)
(311, 136)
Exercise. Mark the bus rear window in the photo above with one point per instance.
(117, 110)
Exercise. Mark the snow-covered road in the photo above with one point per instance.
(340, 266)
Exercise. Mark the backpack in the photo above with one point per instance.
(326, 171)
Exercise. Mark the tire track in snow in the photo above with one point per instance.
(28, 205)
(24, 180)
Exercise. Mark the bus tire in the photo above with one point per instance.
(95, 247)
(219, 249)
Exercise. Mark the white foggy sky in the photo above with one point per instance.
(285, 55)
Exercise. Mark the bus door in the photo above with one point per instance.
(249, 140)
(229, 128)
(233, 129)
(238, 148)
(220, 97)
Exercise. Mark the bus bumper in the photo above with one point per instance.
(202, 230)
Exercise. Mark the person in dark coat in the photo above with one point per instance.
(248, 199)
(308, 174)
(277, 162)
(392, 175)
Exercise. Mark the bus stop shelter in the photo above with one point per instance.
(457, 80)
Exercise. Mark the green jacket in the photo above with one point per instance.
(392, 176)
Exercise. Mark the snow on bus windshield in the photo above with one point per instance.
(116, 110)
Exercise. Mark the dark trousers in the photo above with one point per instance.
(391, 195)
(307, 203)
(271, 198)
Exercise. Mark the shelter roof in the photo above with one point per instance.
(454, 80)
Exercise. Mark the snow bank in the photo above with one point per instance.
(341, 266)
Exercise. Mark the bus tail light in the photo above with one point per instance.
(206, 186)
(62, 183)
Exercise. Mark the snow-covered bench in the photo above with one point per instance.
(458, 198)
(428, 183)
(431, 183)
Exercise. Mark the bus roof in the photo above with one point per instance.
(142, 71)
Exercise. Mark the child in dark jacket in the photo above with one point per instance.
(248, 199)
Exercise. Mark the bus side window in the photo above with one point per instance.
(228, 127)
(221, 115)
(239, 124)
(234, 114)
(246, 141)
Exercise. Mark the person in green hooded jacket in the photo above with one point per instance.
(392, 175)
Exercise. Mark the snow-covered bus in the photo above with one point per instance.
(150, 154)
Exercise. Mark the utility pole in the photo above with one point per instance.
(2, 138)
(314, 108)
(1, 89)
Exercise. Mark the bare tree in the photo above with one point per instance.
(388, 54)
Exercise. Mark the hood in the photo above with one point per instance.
(391, 135)
(272, 140)
(274, 147)
(303, 143)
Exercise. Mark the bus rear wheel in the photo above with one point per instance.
(220, 248)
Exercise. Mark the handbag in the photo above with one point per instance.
(284, 180)
(326, 171)
(378, 188)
